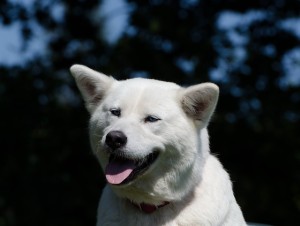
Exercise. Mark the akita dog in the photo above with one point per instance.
(151, 140)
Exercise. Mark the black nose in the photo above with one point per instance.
(115, 139)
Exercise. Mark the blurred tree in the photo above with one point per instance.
(250, 48)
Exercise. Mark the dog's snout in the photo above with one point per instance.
(115, 139)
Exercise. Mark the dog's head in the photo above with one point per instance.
(148, 135)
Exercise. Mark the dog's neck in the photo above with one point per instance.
(148, 208)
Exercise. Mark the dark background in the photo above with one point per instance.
(48, 174)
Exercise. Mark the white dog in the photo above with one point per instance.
(151, 140)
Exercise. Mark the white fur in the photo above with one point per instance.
(185, 174)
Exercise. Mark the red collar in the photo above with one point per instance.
(149, 208)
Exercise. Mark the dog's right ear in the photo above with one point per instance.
(92, 85)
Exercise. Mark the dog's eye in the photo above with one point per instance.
(151, 118)
(115, 112)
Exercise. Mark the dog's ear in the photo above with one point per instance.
(199, 101)
(92, 85)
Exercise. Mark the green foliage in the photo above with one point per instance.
(48, 174)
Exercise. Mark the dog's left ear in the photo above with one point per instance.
(199, 101)
(93, 85)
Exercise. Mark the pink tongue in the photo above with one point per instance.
(118, 170)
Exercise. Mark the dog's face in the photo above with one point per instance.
(147, 133)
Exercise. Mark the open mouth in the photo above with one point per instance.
(121, 170)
